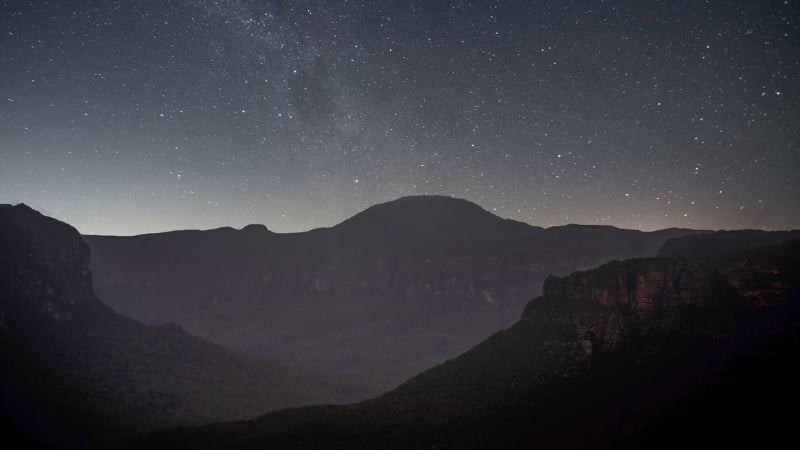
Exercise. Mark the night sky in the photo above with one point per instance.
(126, 117)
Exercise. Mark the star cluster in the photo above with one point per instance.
(124, 117)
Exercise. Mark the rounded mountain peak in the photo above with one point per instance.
(255, 228)
(431, 218)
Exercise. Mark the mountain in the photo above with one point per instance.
(642, 353)
(74, 371)
(719, 246)
(396, 289)
(425, 220)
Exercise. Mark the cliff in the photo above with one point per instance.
(74, 371)
(606, 305)
(44, 266)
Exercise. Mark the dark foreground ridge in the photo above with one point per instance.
(75, 372)
(392, 291)
(643, 353)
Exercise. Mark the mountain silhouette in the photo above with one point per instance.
(430, 219)
(395, 289)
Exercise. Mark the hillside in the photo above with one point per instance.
(697, 355)
(74, 371)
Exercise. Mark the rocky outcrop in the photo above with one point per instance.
(667, 296)
(607, 304)
(44, 265)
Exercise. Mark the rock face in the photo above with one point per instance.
(44, 269)
(432, 274)
(761, 276)
(75, 371)
(680, 347)
(641, 294)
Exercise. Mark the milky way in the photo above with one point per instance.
(125, 117)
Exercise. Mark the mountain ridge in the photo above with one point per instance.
(420, 199)
(435, 274)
